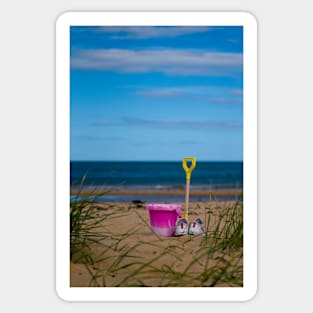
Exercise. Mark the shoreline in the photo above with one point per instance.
(155, 192)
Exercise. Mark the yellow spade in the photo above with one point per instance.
(188, 171)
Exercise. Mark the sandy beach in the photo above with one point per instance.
(121, 249)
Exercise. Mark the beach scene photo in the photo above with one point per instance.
(156, 156)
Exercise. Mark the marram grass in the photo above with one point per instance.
(118, 259)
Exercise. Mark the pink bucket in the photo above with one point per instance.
(163, 218)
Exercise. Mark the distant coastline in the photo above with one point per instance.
(169, 192)
(155, 195)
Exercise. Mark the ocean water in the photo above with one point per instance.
(155, 175)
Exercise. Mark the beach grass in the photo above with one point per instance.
(111, 244)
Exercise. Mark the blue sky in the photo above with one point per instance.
(156, 93)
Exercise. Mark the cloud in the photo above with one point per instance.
(160, 93)
(166, 143)
(184, 124)
(221, 95)
(170, 62)
(172, 124)
(106, 123)
(145, 32)
(97, 138)
(237, 92)
(233, 40)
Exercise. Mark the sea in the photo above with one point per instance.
(155, 175)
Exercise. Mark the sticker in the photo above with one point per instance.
(137, 95)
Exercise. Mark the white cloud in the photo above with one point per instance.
(106, 123)
(207, 94)
(97, 138)
(144, 32)
(185, 124)
(202, 125)
(161, 93)
(171, 62)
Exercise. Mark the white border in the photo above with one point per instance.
(63, 23)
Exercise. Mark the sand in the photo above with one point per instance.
(125, 252)
(234, 192)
